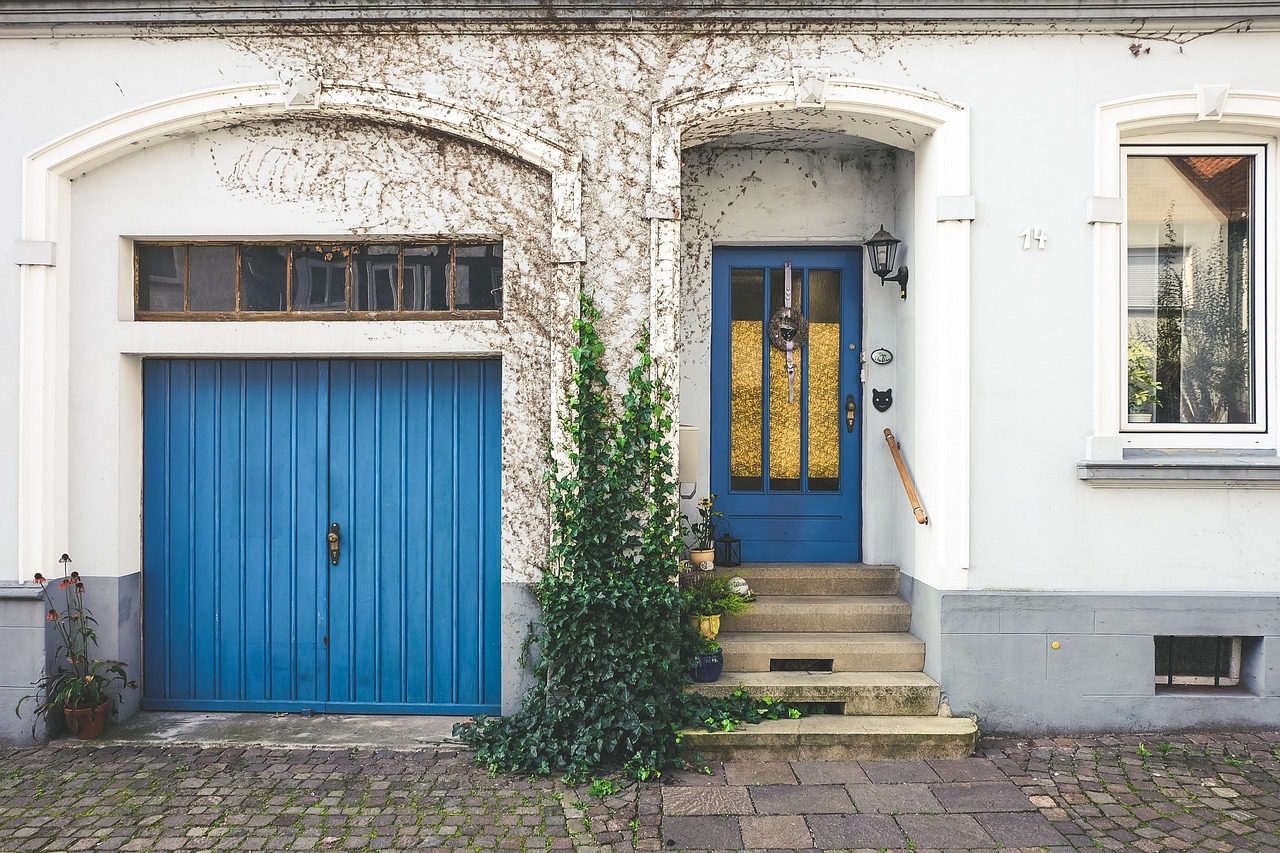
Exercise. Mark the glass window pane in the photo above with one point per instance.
(320, 278)
(826, 409)
(161, 274)
(478, 284)
(213, 278)
(746, 348)
(263, 277)
(785, 402)
(426, 278)
(1190, 342)
(375, 272)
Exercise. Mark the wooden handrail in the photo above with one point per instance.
(906, 477)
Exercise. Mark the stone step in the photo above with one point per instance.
(868, 652)
(861, 693)
(830, 737)
(817, 578)
(839, 613)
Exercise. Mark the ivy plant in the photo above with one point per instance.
(610, 674)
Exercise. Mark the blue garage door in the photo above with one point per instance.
(249, 463)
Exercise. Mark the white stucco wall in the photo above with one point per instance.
(834, 197)
(297, 177)
(1033, 523)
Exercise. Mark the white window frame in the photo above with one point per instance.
(1217, 118)
(1258, 265)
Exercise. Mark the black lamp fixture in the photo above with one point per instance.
(884, 250)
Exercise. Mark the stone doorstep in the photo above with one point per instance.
(837, 738)
(845, 613)
(817, 578)
(858, 652)
(861, 693)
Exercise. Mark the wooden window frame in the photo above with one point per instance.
(289, 314)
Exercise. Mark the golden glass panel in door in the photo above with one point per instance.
(746, 357)
(825, 409)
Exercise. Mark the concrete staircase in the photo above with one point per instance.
(835, 634)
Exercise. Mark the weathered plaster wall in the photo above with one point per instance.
(313, 177)
(837, 195)
(1032, 99)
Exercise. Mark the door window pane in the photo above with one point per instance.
(375, 273)
(825, 405)
(320, 279)
(161, 277)
(1190, 310)
(785, 400)
(426, 278)
(263, 277)
(746, 353)
(478, 278)
(213, 278)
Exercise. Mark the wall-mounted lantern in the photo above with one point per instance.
(883, 247)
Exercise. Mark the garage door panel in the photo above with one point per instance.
(248, 462)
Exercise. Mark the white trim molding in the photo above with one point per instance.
(1232, 117)
(936, 130)
(43, 346)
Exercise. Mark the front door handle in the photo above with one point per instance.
(335, 543)
(850, 413)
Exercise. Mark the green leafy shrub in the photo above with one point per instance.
(609, 675)
(710, 594)
(613, 652)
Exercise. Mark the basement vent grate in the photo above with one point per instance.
(800, 664)
(1203, 661)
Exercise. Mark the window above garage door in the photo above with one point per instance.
(317, 280)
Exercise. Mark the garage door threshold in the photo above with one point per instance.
(283, 731)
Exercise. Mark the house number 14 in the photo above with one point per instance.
(1028, 234)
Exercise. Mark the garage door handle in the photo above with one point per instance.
(335, 543)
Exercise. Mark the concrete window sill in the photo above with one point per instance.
(14, 591)
(1157, 469)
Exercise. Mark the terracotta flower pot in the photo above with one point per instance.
(87, 723)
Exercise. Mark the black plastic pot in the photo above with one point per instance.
(709, 667)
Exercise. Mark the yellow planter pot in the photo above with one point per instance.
(702, 559)
(708, 626)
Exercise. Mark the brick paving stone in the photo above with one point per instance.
(905, 798)
(899, 771)
(946, 830)
(775, 832)
(981, 797)
(829, 772)
(759, 773)
(801, 799)
(1020, 829)
(843, 832)
(966, 770)
(726, 800)
(699, 832)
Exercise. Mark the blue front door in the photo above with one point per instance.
(248, 463)
(785, 457)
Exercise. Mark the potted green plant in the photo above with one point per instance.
(708, 660)
(706, 597)
(81, 687)
(702, 551)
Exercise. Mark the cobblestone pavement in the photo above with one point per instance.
(1148, 793)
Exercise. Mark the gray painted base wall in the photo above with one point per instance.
(115, 603)
(519, 610)
(994, 657)
(22, 636)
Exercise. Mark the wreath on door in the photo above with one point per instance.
(788, 330)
